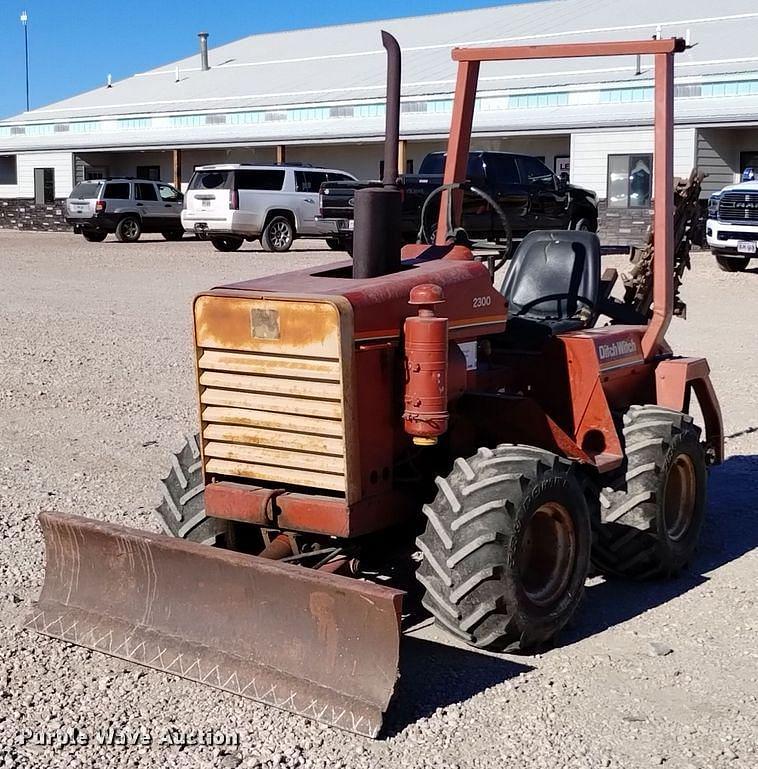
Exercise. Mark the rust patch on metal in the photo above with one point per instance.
(267, 325)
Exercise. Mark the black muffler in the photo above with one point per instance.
(377, 238)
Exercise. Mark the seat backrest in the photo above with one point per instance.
(554, 275)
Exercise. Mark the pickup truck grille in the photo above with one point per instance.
(273, 418)
(739, 207)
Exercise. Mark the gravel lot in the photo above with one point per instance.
(96, 384)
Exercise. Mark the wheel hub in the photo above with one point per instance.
(548, 553)
(280, 234)
(679, 497)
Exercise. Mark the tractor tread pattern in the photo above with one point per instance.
(181, 512)
(462, 547)
(626, 541)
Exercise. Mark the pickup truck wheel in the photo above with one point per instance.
(732, 263)
(584, 224)
(129, 229)
(94, 237)
(173, 234)
(227, 243)
(278, 234)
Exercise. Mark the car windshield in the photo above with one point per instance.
(85, 190)
(210, 180)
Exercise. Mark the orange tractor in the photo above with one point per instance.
(363, 416)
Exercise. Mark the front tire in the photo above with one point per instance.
(506, 548)
(227, 243)
(651, 516)
(181, 512)
(94, 237)
(129, 229)
(732, 263)
(584, 224)
(278, 234)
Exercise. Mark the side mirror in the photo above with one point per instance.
(564, 178)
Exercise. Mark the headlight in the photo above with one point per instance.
(713, 205)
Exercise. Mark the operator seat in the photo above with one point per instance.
(552, 285)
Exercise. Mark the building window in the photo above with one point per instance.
(340, 112)
(153, 173)
(44, 185)
(630, 181)
(8, 174)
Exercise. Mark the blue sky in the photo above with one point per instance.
(74, 44)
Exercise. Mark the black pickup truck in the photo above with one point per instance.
(531, 196)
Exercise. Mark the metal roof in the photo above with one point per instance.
(346, 64)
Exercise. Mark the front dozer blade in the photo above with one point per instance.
(312, 643)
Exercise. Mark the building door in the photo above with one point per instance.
(44, 185)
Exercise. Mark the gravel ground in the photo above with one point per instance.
(96, 384)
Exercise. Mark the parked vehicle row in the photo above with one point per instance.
(226, 204)
(229, 204)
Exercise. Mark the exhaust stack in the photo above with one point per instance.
(203, 36)
(377, 240)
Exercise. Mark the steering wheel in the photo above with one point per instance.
(459, 235)
(589, 305)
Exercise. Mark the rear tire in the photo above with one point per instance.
(278, 234)
(181, 513)
(506, 548)
(650, 519)
(227, 243)
(173, 235)
(129, 229)
(94, 237)
(336, 244)
(732, 263)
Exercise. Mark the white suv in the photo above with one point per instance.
(231, 203)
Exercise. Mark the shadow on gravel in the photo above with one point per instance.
(730, 531)
(434, 675)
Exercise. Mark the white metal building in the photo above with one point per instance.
(316, 96)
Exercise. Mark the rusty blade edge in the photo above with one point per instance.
(211, 667)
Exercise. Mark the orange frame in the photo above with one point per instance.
(663, 52)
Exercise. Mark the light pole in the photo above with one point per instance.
(24, 18)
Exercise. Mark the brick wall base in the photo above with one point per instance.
(623, 226)
(25, 214)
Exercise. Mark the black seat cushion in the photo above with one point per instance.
(554, 278)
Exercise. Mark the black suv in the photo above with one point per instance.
(531, 196)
